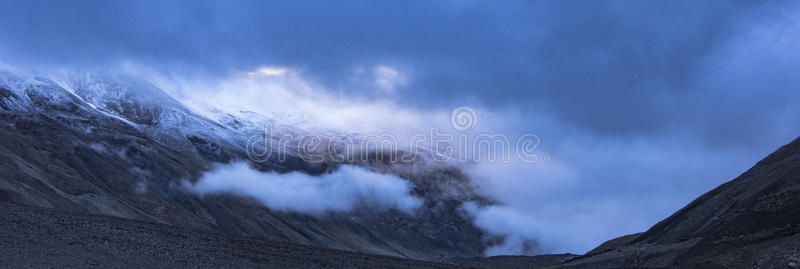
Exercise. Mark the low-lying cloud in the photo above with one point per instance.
(572, 227)
(342, 190)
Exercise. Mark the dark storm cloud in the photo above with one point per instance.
(603, 66)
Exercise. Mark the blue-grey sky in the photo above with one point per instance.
(647, 104)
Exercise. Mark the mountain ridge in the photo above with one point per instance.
(120, 154)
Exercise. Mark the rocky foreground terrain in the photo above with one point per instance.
(47, 238)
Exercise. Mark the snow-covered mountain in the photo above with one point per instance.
(114, 144)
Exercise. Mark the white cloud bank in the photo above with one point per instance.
(341, 190)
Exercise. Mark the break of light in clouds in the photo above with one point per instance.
(269, 71)
(645, 104)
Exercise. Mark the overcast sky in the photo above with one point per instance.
(645, 104)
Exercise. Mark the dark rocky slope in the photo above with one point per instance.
(752, 221)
